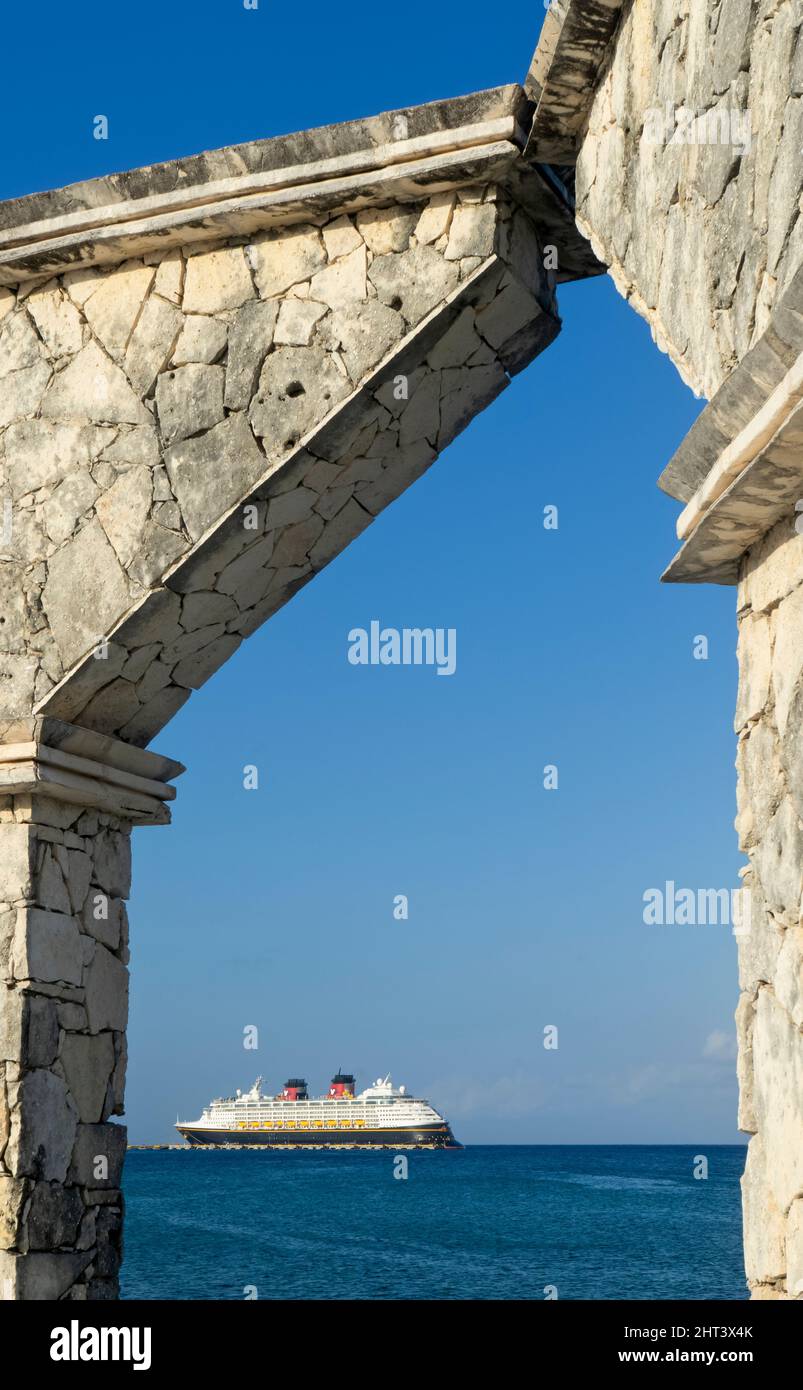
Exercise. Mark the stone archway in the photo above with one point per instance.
(211, 389)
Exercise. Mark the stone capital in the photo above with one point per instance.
(47, 757)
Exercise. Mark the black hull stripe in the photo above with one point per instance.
(267, 1138)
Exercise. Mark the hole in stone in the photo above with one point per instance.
(395, 302)
(288, 443)
(295, 389)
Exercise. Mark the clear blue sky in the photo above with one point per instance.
(274, 907)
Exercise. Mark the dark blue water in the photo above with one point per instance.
(485, 1222)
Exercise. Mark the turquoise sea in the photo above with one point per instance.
(488, 1222)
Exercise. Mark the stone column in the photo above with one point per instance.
(68, 800)
(769, 1018)
(684, 124)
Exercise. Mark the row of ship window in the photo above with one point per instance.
(303, 1124)
(308, 1109)
(312, 1120)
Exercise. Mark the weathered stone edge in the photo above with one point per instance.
(400, 153)
(275, 153)
(35, 767)
(56, 733)
(109, 242)
(767, 489)
(564, 73)
(740, 397)
(288, 175)
(239, 190)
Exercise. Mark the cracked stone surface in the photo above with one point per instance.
(63, 1014)
(770, 826)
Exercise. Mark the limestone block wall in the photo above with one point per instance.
(699, 222)
(64, 877)
(770, 824)
(311, 371)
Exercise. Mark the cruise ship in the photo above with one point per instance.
(380, 1117)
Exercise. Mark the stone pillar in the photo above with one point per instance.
(68, 800)
(684, 125)
(769, 1018)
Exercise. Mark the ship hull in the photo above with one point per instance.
(420, 1137)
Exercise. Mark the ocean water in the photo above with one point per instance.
(489, 1222)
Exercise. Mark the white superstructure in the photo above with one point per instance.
(381, 1106)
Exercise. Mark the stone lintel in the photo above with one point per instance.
(740, 397)
(564, 74)
(408, 154)
(740, 467)
(765, 490)
(735, 460)
(76, 765)
(321, 145)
